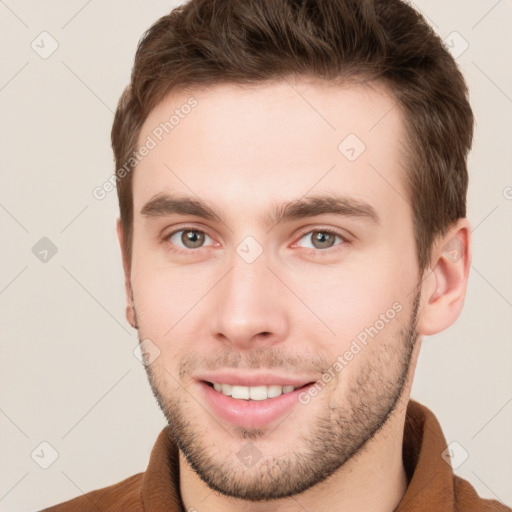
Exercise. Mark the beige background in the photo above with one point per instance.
(68, 375)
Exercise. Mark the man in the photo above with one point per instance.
(292, 184)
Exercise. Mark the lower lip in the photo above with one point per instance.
(250, 413)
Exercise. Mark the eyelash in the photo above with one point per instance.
(315, 252)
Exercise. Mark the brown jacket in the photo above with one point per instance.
(433, 487)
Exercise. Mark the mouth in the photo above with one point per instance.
(251, 406)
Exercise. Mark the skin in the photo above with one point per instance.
(244, 150)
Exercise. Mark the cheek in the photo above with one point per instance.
(347, 299)
(154, 302)
(168, 300)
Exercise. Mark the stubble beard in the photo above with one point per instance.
(336, 436)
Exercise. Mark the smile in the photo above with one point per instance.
(252, 392)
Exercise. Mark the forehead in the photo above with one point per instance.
(254, 146)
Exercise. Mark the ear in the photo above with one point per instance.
(444, 288)
(130, 309)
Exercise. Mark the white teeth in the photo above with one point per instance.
(273, 391)
(252, 392)
(239, 392)
(258, 392)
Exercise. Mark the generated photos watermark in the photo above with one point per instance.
(356, 346)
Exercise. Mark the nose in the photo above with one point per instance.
(249, 306)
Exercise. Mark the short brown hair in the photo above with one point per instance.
(207, 42)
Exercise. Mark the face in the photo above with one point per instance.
(274, 261)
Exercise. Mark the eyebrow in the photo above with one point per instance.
(164, 205)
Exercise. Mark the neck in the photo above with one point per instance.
(373, 480)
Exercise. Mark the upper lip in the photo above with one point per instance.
(255, 379)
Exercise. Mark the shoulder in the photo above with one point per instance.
(467, 499)
(125, 496)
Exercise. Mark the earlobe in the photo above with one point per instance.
(130, 306)
(444, 289)
(130, 314)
